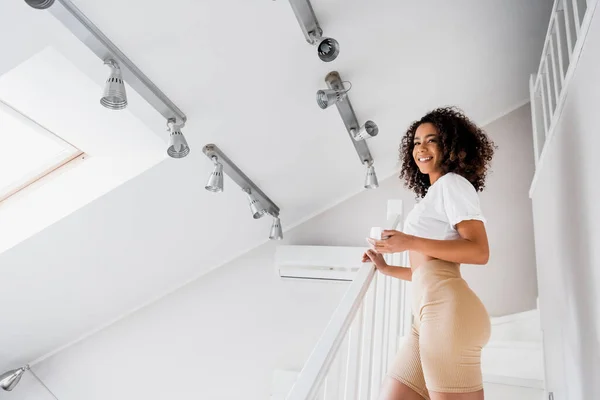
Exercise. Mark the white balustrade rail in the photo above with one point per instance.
(353, 353)
(569, 23)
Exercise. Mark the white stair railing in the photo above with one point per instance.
(568, 27)
(352, 355)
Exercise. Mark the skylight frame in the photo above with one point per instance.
(53, 165)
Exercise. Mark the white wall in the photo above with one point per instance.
(217, 338)
(222, 336)
(567, 235)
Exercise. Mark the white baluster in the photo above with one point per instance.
(579, 9)
(551, 104)
(535, 119)
(556, 82)
(559, 47)
(378, 336)
(366, 359)
(568, 27)
(386, 323)
(342, 368)
(394, 317)
(354, 353)
(545, 111)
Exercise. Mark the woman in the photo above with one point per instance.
(445, 158)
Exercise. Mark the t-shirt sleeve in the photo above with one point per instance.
(461, 201)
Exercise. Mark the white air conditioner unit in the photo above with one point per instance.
(330, 263)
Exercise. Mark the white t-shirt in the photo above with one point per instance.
(450, 200)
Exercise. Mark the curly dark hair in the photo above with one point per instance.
(466, 150)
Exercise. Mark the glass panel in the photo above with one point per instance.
(27, 149)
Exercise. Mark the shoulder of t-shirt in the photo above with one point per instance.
(454, 179)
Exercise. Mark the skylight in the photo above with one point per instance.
(28, 152)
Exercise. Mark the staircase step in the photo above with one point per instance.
(496, 391)
(513, 359)
(524, 326)
(513, 381)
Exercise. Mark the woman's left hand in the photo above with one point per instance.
(395, 242)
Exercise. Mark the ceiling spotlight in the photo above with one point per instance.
(328, 49)
(255, 206)
(178, 147)
(276, 231)
(10, 379)
(371, 178)
(114, 97)
(215, 182)
(367, 131)
(328, 97)
(40, 4)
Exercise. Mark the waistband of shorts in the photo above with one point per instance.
(439, 269)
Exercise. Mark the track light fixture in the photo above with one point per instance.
(122, 69)
(39, 4)
(357, 133)
(10, 379)
(178, 147)
(215, 182)
(367, 131)
(260, 204)
(114, 97)
(371, 181)
(329, 97)
(257, 209)
(327, 48)
(276, 232)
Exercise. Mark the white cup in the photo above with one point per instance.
(375, 233)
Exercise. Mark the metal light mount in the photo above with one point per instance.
(371, 181)
(211, 150)
(115, 95)
(178, 146)
(328, 97)
(39, 4)
(354, 129)
(215, 182)
(327, 48)
(80, 26)
(367, 131)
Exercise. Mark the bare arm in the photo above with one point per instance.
(403, 273)
(471, 248)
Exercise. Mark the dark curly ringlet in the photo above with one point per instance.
(466, 150)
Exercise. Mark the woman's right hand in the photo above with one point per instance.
(377, 259)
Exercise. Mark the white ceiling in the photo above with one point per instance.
(246, 78)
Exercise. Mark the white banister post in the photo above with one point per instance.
(555, 72)
(577, 16)
(534, 119)
(364, 379)
(378, 335)
(386, 324)
(315, 370)
(405, 292)
(545, 110)
(568, 33)
(551, 107)
(559, 48)
(394, 317)
(354, 354)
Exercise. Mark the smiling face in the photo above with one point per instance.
(427, 151)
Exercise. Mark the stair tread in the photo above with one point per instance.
(534, 313)
(515, 344)
(513, 381)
